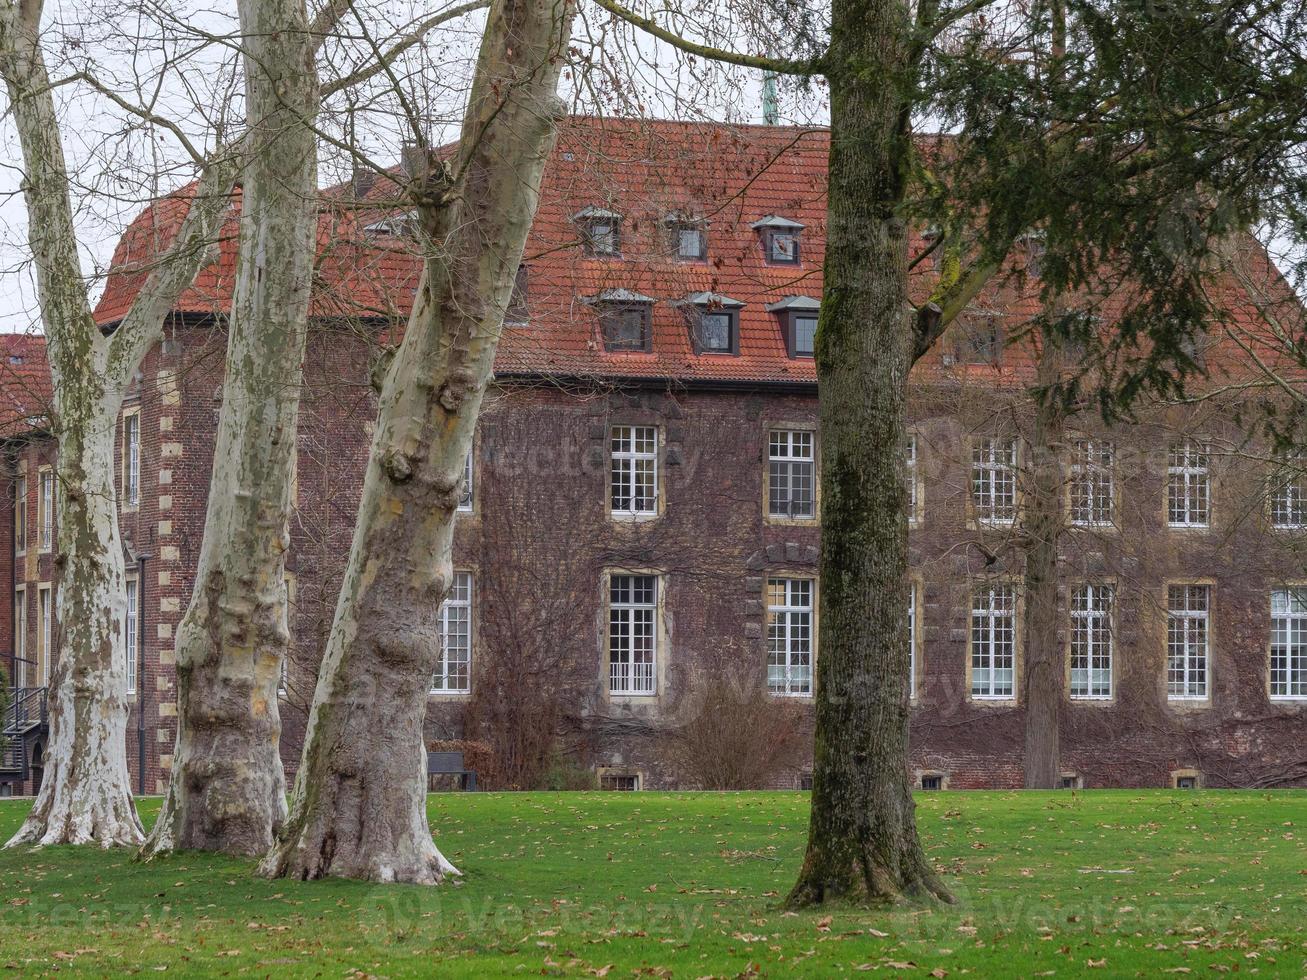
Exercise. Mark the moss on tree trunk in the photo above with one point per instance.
(863, 842)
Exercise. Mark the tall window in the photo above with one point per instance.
(634, 480)
(789, 636)
(1091, 642)
(1092, 497)
(45, 632)
(910, 468)
(45, 509)
(1188, 485)
(1289, 495)
(912, 641)
(994, 480)
(465, 501)
(288, 579)
(632, 633)
(132, 459)
(1187, 609)
(790, 474)
(131, 632)
(20, 515)
(1289, 643)
(993, 642)
(454, 669)
(27, 670)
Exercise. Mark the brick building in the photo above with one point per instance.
(642, 512)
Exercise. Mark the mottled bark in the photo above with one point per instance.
(85, 794)
(1042, 520)
(359, 807)
(227, 791)
(863, 842)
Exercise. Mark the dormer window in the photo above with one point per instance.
(403, 225)
(601, 231)
(625, 319)
(798, 317)
(689, 237)
(980, 341)
(780, 239)
(714, 322)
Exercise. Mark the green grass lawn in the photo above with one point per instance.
(614, 884)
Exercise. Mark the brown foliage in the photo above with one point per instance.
(737, 736)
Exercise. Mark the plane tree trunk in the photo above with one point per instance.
(227, 791)
(86, 794)
(359, 806)
(863, 844)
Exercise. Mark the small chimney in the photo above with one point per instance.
(362, 181)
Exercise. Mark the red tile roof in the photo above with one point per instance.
(729, 176)
(24, 384)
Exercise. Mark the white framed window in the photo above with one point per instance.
(910, 472)
(288, 580)
(131, 631)
(465, 501)
(1187, 610)
(28, 670)
(791, 474)
(20, 515)
(1289, 495)
(993, 643)
(454, 669)
(45, 633)
(45, 508)
(132, 459)
(912, 639)
(994, 480)
(1188, 484)
(1093, 502)
(632, 633)
(622, 782)
(634, 473)
(790, 636)
(1091, 642)
(1289, 644)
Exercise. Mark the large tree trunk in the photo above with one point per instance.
(359, 808)
(862, 842)
(1042, 517)
(227, 791)
(85, 794)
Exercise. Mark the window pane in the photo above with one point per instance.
(632, 633)
(805, 334)
(690, 243)
(791, 473)
(454, 668)
(715, 331)
(634, 469)
(789, 636)
(993, 642)
(994, 480)
(784, 247)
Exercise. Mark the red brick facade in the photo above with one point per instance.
(540, 539)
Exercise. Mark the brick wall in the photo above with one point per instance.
(540, 540)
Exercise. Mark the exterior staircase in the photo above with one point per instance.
(25, 721)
